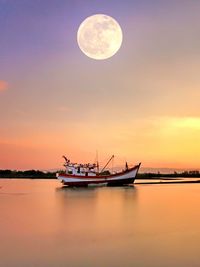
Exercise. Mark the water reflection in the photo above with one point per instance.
(100, 210)
(105, 197)
(44, 224)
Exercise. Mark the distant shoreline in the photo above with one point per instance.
(36, 174)
(29, 174)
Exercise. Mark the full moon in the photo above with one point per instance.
(99, 36)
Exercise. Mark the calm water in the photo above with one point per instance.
(42, 224)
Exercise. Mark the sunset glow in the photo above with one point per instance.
(141, 105)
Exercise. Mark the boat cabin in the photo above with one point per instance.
(81, 169)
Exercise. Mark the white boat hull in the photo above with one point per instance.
(122, 178)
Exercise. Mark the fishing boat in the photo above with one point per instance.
(89, 174)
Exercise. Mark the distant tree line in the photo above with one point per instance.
(33, 174)
(36, 174)
(185, 174)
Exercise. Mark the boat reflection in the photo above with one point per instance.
(92, 207)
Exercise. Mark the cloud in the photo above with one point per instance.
(3, 85)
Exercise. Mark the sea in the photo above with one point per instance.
(43, 224)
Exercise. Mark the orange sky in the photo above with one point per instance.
(157, 142)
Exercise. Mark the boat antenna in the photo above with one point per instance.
(66, 159)
(107, 163)
(113, 166)
(97, 161)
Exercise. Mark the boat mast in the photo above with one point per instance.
(107, 163)
(97, 161)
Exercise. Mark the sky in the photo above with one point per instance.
(141, 105)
